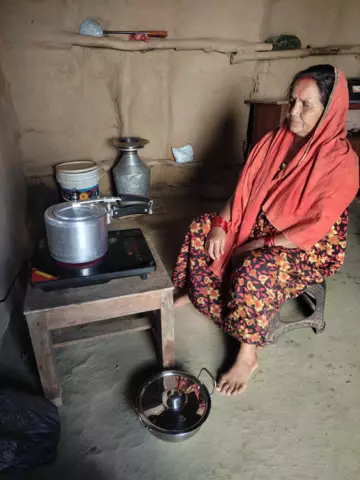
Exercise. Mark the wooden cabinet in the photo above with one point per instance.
(355, 142)
(264, 116)
(354, 138)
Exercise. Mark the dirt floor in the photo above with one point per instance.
(298, 420)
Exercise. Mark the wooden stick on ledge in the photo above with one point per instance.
(241, 57)
(183, 44)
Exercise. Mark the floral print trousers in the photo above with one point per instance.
(243, 303)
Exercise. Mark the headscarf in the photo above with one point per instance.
(305, 199)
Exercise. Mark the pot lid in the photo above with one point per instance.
(77, 166)
(174, 402)
(74, 212)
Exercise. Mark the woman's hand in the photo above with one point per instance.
(215, 243)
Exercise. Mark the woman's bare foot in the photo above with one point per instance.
(181, 299)
(236, 379)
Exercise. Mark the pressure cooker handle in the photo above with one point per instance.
(130, 199)
(121, 200)
(133, 208)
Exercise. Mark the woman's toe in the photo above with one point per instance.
(220, 386)
(224, 387)
(234, 389)
(240, 388)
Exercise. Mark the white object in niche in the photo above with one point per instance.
(183, 154)
(353, 121)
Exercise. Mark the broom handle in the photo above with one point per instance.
(151, 33)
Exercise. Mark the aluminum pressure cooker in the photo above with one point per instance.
(78, 232)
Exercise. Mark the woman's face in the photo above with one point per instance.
(305, 108)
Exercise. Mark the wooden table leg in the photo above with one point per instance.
(43, 350)
(167, 329)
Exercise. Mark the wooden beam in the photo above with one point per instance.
(117, 43)
(167, 329)
(43, 351)
(241, 57)
(97, 310)
(182, 44)
(96, 331)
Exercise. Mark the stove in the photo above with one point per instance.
(128, 255)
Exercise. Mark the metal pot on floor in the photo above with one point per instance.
(77, 232)
(174, 405)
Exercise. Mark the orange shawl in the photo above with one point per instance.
(308, 196)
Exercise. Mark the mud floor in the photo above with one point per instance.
(298, 420)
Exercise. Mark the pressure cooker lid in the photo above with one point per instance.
(74, 212)
(173, 402)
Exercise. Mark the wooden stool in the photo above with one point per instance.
(47, 312)
(314, 297)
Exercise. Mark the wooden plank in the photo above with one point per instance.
(266, 118)
(266, 101)
(97, 310)
(209, 44)
(96, 331)
(43, 350)
(241, 57)
(36, 300)
(167, 330)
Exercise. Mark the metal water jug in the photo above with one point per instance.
(131, 175)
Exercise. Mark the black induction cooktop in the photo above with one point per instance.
(128, 255)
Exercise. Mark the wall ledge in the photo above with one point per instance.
(107, 165)
(207, 45)
(239, 51)
(241, 57)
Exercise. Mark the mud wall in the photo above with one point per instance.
(70, 101)
(12, 193)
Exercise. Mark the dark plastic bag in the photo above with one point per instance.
(29, 431)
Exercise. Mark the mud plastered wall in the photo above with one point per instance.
(12, 193)
(70, 101)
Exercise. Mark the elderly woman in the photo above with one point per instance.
(285, 226)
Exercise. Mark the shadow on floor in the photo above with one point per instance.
(17, 363)
(69, 469)
(232, 347)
